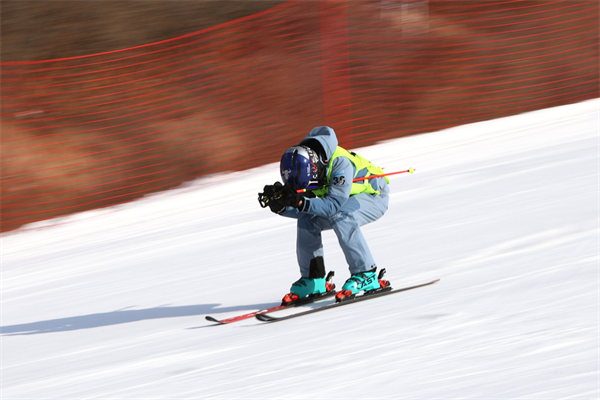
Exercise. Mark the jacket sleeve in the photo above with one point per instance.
(340, 185)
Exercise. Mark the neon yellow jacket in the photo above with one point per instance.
(362, 168)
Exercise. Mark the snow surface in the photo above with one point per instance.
(110, 304)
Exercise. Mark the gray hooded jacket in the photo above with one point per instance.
(342, 173)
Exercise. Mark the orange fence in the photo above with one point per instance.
(88, 132)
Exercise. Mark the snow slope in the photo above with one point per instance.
(110, 304)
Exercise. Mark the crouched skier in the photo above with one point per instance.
(337, 203)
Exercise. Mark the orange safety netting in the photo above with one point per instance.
(87, 132)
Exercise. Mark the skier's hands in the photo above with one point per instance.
(278, 197)
(291, 198)
(272, 198)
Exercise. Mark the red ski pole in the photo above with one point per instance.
(410, 170)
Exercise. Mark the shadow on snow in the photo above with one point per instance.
(120, 317)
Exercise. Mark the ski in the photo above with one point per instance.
(300, 302)
(306, 300)
(369, 295)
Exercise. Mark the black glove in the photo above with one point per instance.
(290, 197)
(271, 197)
(278, 197)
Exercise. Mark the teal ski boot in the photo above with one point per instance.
(309, 288)
(365, 282)
(305, 290)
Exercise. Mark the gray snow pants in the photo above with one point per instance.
(359, 210)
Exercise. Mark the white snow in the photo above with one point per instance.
(110, 304)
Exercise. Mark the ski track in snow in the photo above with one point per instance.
(110, 304)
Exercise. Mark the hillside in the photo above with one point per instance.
(44, 30)
(116, 122)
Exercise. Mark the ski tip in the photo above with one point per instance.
(429, 283)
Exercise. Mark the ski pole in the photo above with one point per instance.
(410, 170)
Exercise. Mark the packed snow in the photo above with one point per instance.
(110, 304)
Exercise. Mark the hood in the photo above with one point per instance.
(326, 136)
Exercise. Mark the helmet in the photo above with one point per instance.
(300, 166)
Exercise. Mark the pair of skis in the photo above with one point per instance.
(264, 315)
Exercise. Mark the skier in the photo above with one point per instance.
(332, 201)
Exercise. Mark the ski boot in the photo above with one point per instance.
(366, 282)
(306, 290)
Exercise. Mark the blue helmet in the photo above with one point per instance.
(300, 166)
